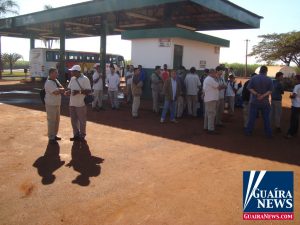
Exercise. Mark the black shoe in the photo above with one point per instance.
(57, 138)
(75, 138)
(288, 136)
(278, 130)
(212, 132)
(52, 141)
(82, 139)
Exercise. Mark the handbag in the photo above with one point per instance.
(88, 99)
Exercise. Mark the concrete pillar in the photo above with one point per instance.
(103, 33)
(62, 53)
(32, 43)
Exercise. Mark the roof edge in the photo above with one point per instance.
(174, 32)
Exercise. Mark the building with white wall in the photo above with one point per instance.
(174, 47)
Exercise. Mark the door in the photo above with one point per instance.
(178, 53)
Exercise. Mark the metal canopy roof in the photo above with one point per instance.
(174, 32)
(87, 18)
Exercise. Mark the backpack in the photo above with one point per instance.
(42, 95)
(43, 92)
(246, 93)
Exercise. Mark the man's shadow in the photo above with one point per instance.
(83, 162)
(48, 163)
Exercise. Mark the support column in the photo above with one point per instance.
(103, 45)
(0, 60)
(32, 43)
(62, 53)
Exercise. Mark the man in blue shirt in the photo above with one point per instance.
(276, 106)
(260, 87)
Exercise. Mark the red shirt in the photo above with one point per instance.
(165, 75)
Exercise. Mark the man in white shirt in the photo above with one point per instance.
(79, 87)
(230, 93)
(53, 91)
(295, 110)
(113, 82)
(192, 84)
(97, 88)
(211, 95)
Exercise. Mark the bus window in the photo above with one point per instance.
(49, 56)
(56, 56)
(121, 61)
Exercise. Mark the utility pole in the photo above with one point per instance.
(0, 60)
(246, 63)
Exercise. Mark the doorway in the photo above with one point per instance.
(178, 53)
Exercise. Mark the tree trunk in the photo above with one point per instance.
(11, 68)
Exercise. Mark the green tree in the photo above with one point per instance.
(8, 6)
(11, 59)
(273, 47)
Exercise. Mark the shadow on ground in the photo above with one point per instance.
(48, 163)
(189, 130)
(83, 162)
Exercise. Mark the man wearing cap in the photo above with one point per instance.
(113, 82)
(97, 88)
(79, 87)
(156, 86)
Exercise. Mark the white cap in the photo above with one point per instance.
(96, 64)
(75, 68)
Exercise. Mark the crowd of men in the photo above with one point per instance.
(182, 92)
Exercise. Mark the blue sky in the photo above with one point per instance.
(280, 16)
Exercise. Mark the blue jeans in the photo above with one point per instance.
(169, 105)
(265, 109)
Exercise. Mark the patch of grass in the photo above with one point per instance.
(14, 74)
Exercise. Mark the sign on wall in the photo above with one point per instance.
(202, 64)
(164, 42)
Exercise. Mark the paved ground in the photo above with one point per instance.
(131, 171)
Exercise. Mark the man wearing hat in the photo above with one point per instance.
(79, 87)
(97, 88)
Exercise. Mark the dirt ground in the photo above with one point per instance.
(131, 171)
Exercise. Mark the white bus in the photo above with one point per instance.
(42, 59)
